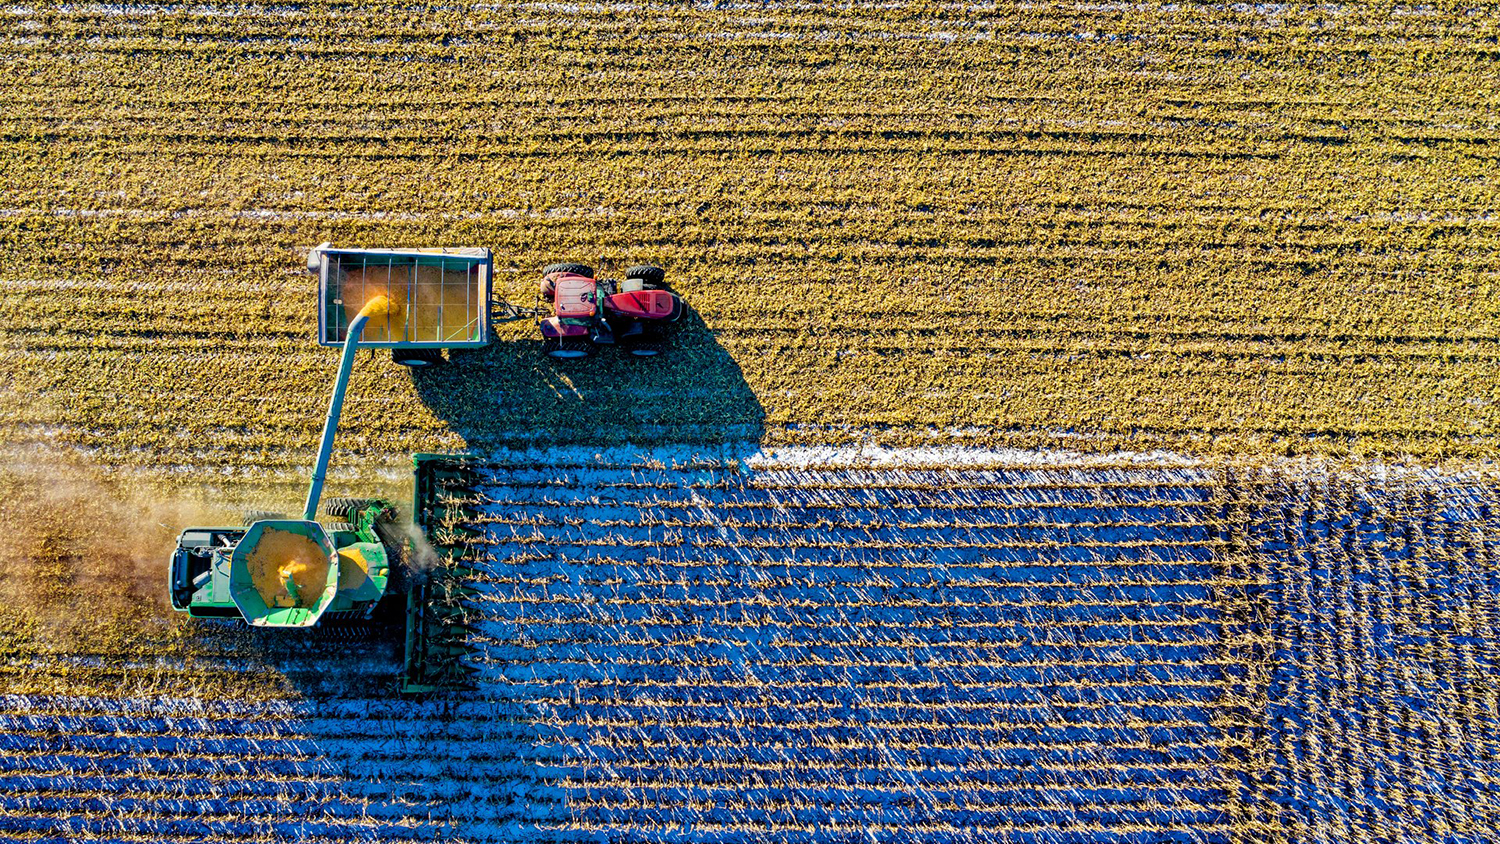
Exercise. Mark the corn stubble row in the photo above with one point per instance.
(1232, 653)
(1200, 227)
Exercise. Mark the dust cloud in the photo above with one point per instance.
(78, 548)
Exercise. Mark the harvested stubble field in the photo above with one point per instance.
(1237, 230)
(1199, 225)
(836, 646)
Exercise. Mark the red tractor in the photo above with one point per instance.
(589, 312)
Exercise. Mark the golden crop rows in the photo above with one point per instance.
(1199, 226)
(1205, 227)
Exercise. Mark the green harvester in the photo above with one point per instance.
(276, 571)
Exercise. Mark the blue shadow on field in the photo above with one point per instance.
(510, 394)
(678, 644)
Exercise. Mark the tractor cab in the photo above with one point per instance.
(575, 297)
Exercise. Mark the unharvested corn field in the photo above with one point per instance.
(1081, 430)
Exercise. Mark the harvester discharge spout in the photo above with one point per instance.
(376, 307)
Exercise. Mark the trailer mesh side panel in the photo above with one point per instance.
(436, 299)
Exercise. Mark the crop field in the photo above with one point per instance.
(1260, 228)
(1082, 429)
(824, 645)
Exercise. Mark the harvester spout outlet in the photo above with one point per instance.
(376, 307)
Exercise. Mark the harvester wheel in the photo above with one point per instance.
(253, 516)
(417, 358)
(567, 348)
(576, 269)
(653, 276)
(343, 508)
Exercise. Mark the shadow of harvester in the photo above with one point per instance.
(510, 394)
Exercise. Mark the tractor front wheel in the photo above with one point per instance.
(417, 358)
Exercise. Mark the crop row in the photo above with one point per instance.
(769, 617)
(634, 685)
(1163, 224)
(1325, 654)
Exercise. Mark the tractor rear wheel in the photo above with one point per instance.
(567, 348)
(343, 508)
(253, 516)
(335, 527)
(417, 358)
(576, 269)
(653, 276)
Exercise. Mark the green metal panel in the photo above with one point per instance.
(356, 592)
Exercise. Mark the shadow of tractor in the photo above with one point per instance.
(509, 394)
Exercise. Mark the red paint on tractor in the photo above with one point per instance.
(643, 304)
(574, 296)
(555, 327)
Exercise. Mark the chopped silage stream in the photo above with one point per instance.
(823, 645)
(288, 569)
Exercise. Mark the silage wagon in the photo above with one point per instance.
(440, 299)
(444, 299)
